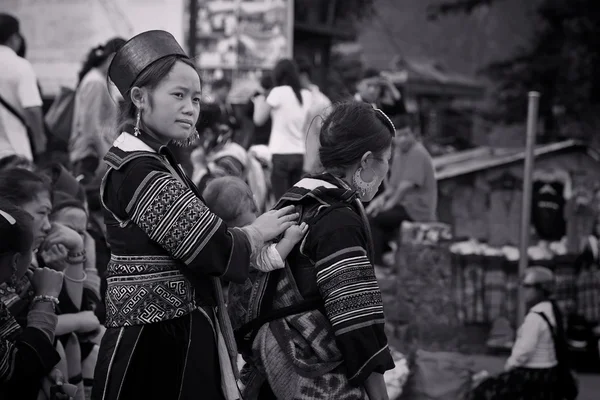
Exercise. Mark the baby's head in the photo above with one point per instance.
(231, 199)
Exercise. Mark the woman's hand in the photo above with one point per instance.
(273, 223)
(56, 257)
(60, 234)
(47, 282)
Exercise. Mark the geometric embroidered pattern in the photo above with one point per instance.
(349, 287)
(146, 289)
(172, 215)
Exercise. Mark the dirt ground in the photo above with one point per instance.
(589, 384)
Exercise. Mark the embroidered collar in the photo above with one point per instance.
(325, 188)
(128, 147)
(145, 137)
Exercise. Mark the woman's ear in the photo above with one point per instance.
(365, 157)
(14, 261)
(138, 97)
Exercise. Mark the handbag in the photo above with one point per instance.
(567, 383)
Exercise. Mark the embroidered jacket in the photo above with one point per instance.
(165, 243)
(26, 356)
(331, 263)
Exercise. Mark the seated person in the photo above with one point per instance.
(531, 370)
(79, 329)
(27, 354)
(410, 193)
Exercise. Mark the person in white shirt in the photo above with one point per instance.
(531, 371)
(288, 105)
(95, 113)
(320, 108)
(21, 119)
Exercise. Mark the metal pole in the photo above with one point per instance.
(192, 28)
(532, 116)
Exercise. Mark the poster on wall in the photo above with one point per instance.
(60, 33)
(239, 39)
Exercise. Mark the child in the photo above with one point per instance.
(232, 200)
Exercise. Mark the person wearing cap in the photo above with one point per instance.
(168, 335)
(21, 119)
(27, 354)
(531, 370)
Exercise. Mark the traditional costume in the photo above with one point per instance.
(168, 335)
(316, 328)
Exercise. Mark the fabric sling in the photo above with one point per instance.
(245, 335)
(568, 383)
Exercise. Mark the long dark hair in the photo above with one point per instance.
(18, 236)
(351, 129)
(22, 50)
(286, 73)
(20, 186)
(100, 54)
(149, 78)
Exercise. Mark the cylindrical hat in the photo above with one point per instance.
(138, 53)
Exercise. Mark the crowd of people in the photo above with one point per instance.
(162, 240)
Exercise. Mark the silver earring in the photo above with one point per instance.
(13, 281)
(138, 121)
(362, 186)
(190, 140)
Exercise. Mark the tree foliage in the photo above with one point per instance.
(561, 62)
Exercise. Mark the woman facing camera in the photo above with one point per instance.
(168, 335)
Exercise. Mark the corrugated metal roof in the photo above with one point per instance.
(470, 161)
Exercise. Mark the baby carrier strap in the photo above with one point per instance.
(246, 333)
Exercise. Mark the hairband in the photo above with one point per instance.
(387, 119)
(8, 217)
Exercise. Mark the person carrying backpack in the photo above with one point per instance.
(538, 367)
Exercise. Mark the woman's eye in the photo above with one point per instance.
(178, 95)
(196, 99)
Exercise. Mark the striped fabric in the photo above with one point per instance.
(349, 288)
(9, 329)
(172, 216)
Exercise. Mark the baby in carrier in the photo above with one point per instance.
(231, 199)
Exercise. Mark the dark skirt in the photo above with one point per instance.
(175, 359)
(519, 384)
